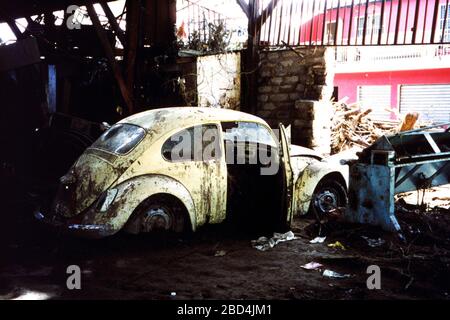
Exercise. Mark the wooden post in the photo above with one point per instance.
(255, 22)
(131, 42)
(111, 58)
(159, 23)
(252, 58)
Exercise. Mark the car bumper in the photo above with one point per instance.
(90, 231)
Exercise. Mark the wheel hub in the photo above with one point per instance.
(326, 201)
(157, 219)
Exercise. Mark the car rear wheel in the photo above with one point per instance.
(329, 195)
(159, 214)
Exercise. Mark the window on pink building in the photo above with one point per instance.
(445, 30)
(372, 28)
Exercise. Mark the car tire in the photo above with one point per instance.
(159, 214)
(329, 195)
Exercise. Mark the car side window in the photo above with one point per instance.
(198, 143)
(248, 132)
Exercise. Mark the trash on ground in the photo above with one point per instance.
(318, 240)
(220, 253)
(264, 243)
(333, 274)
(374, 242)
(312, 266)
(337, 245)
(280, 237)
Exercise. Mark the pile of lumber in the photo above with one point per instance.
(352, 126)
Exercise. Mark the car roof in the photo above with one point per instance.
(167, 119)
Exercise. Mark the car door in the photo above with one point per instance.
(287, 178)
(201, 171)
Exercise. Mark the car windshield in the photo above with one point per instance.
(120, 138)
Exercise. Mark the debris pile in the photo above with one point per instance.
(352, 127)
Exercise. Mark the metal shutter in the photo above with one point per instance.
(432, 101)
(377, 98)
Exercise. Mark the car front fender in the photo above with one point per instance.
(310, 178)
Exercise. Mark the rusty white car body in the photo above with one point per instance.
(125, 180)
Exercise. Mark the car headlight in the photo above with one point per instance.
(105, 200)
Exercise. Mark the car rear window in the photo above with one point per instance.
(120, 138)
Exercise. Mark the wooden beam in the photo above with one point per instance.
(244, 6)
(113, 21)
(111, 58)
(26, 8)
(13, 26)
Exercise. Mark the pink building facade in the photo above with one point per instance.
(394, 79)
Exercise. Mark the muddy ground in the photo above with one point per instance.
(34, 261)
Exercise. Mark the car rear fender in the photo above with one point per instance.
(131, 193)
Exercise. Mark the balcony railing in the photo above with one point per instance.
(390, 58)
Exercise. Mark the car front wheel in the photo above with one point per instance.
(329, 196)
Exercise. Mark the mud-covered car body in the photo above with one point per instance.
(129, 164)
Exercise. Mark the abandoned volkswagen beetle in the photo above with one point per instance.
(176, 169)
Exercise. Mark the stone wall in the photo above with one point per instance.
(294, 88)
